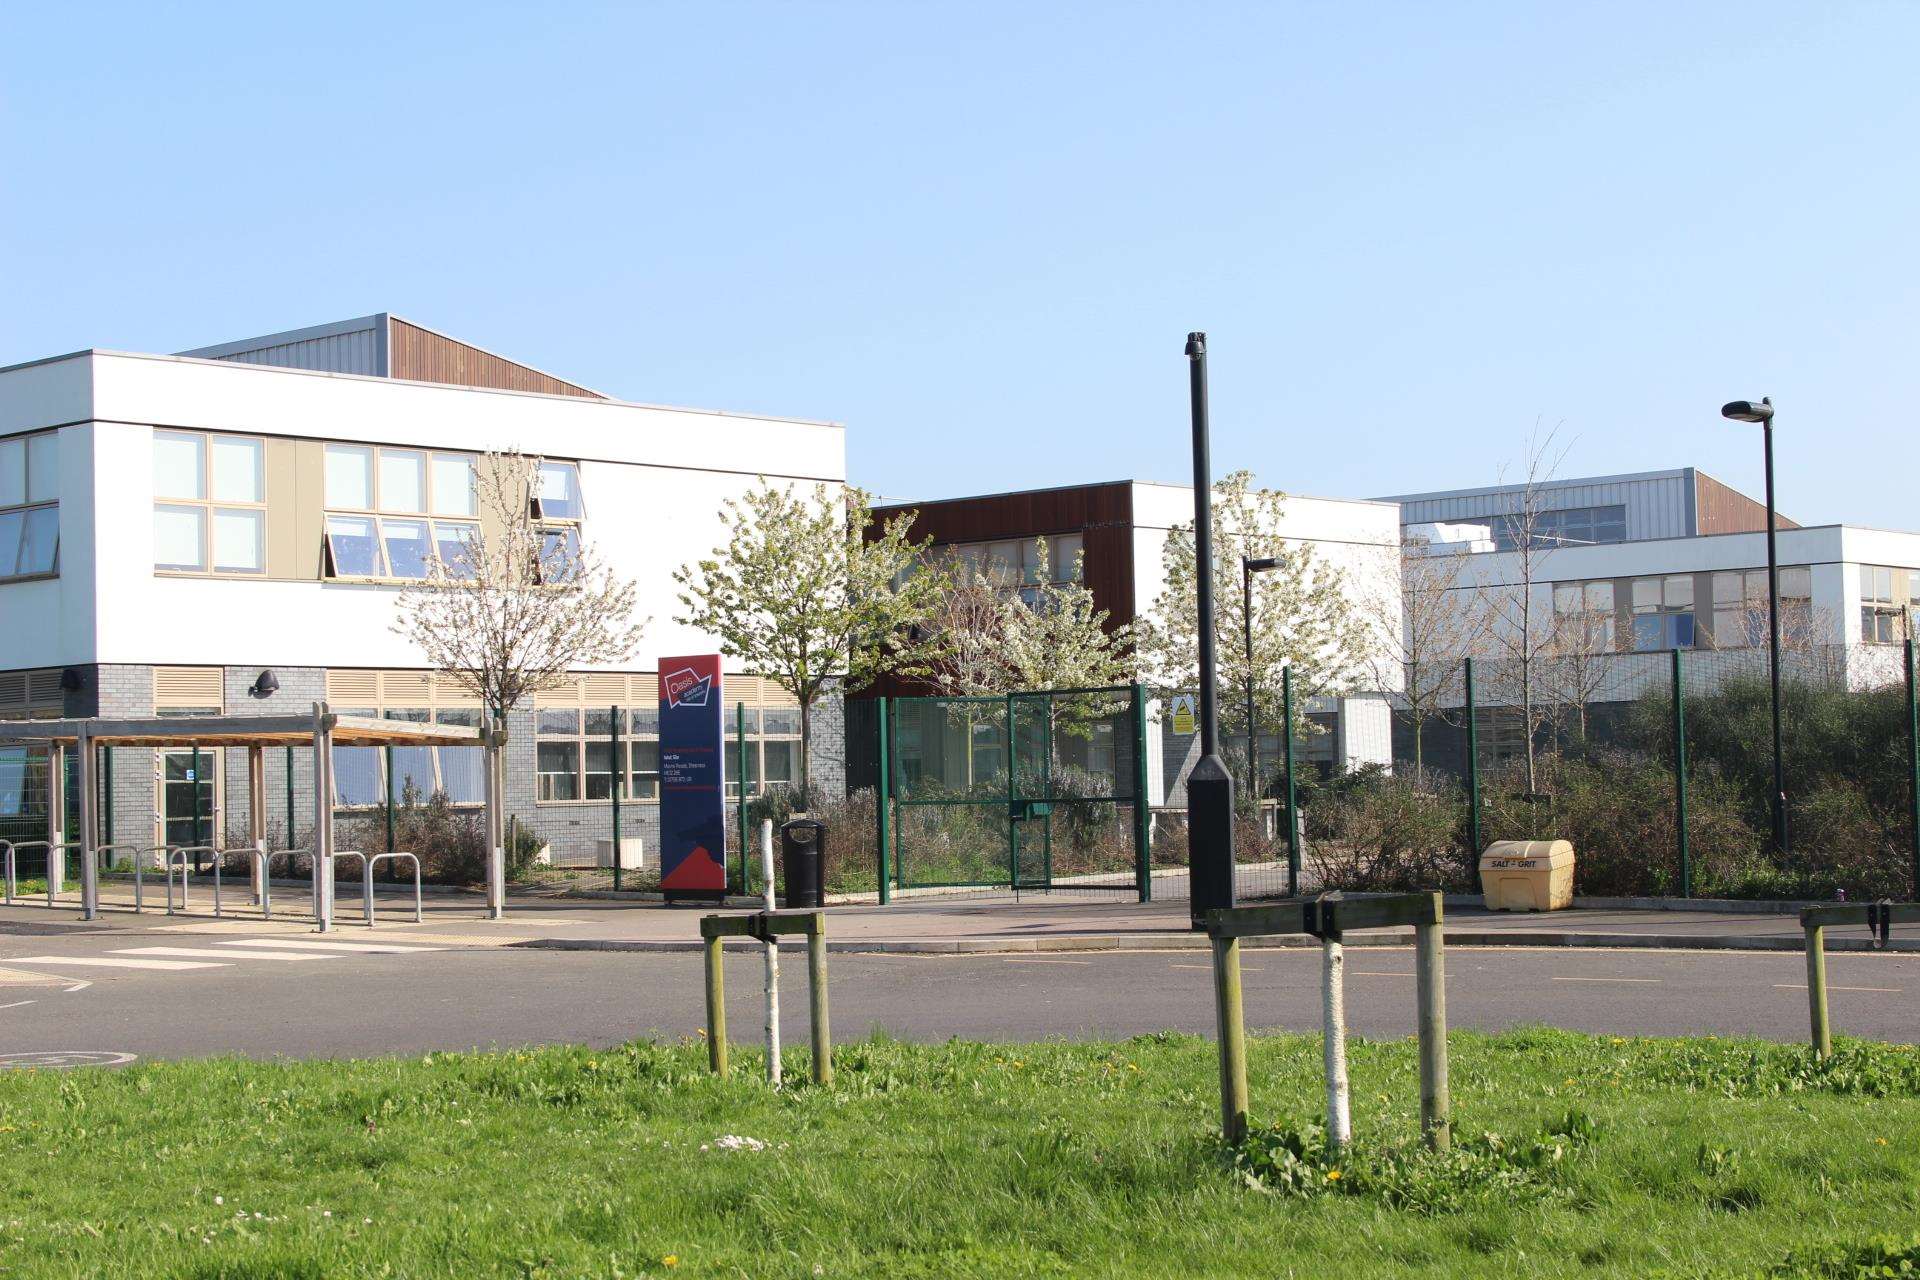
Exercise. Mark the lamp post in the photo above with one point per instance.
(1762, 413)
(1248, 567)
(1209, 785)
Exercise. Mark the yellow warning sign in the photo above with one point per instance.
(1183, 713)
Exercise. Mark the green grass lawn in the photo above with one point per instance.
(1613, 1157)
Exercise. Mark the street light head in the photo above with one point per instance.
(1196, 344)
(1748, 410)
(1260, 566)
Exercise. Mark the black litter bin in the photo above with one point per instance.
(803, 847)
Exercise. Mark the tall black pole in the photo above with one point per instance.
(1780, 842)
(1209, 786)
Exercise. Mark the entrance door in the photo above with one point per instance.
(182, 781)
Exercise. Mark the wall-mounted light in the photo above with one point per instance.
(265, 685)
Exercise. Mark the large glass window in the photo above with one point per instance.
(209, 510)
(1740, 606)
(29, 506)
(583, 766)
(361, 777)
(1570, 527)
(556, 491)
(1886, 603)
(1584, 616)
(453, 485)
(1663, 613)
(377, 501)
(1017, 562)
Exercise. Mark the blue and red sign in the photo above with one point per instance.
(693, 794)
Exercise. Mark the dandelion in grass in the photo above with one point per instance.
(671, 1260)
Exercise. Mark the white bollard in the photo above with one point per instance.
(773, 959)
(1334, 1017)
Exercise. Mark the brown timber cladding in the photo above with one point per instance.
(1101, 513)
(423, 356)
(1724, 510)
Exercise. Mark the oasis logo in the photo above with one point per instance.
(685, 689)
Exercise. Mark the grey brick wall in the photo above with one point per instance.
(571, 829)
(300, 688)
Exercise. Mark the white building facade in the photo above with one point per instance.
(173, 527)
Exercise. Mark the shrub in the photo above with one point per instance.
(1389, 835)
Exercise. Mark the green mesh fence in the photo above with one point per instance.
(1031, 791)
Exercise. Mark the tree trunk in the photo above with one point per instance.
(806, 742)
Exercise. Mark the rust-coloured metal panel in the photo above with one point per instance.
(1726, 510)
(1101, 513)
(421, 355)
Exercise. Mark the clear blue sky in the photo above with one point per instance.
(979, 234)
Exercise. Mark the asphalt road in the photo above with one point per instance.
(257, 997)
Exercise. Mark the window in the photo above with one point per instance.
(1020, 562)
(556, 492)
(773, 749)
(1663, 613)
(559, 553)
(1740, 605)
(575, 760)
(1584, 617)
(210, 503)
(1887, 600)
(378, 501)
(29, 506)
(1571, 527)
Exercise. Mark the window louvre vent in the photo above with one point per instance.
(187, 688)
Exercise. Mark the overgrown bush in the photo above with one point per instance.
(451, 843)
(1389, 835)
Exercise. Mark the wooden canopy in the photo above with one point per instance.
(241, 731)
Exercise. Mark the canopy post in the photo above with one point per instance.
(496, 832)
(322, 818)
(89, 869)
(257, 813)
(56, 819)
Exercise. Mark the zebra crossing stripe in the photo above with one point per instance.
(119, 962)
(210, 953)
(337, 948)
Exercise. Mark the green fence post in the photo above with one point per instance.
(290, 832)
(1142, 802)
(1293, 818)
(1680, 778)
(1473, 769)
(883, 805)
(619, 777)
(1913, 766)
(740, 792)
(106, 797)
(1013, 827)
(388, 752)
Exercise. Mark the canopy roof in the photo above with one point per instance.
(240, 731)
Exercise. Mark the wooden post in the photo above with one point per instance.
(817, 993)
(1333, 1009)
(1230, 1018)
(1817, 990)
(322, 819)
(1430, 980)
(89, 868)
(56, 820)
(257, 815)
(716, 1010)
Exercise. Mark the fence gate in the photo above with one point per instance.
(1036, 791)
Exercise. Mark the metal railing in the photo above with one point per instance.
(368, 865)
(13, 882)
(178, 853)
(265, 858)
(139, 893)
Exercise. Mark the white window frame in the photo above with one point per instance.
(378, 510)
(21, 514)
(209, 508)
